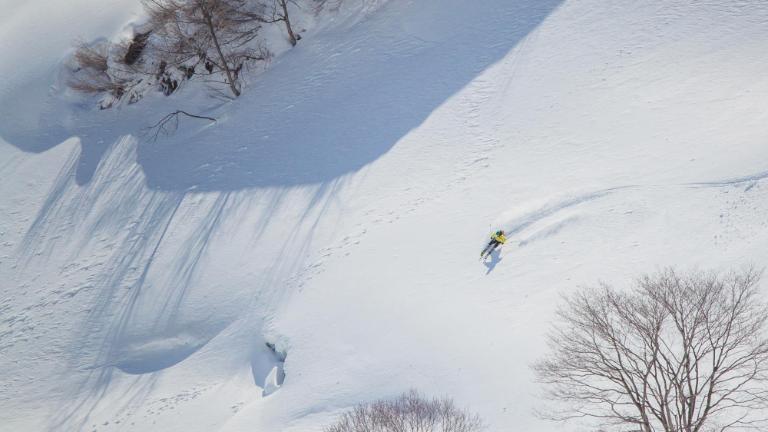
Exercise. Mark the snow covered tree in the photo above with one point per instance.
(215, 40)
(219, 35)
(109, 70)
(674, 353)
(92, 73)
(280, 14)
(410, 412)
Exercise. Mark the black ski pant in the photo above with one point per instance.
(490, 248)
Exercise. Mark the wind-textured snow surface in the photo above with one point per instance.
(337, 209)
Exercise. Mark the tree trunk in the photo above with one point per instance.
(291, 36)
(222, 59)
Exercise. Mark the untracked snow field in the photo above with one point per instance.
(318, 246)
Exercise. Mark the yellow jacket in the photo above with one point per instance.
(499, 238)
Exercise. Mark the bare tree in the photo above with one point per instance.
(683, 353)
(280, 14)
(292, 37)
(92, 73)
(170, 123)
(218, 34)
(410, 412)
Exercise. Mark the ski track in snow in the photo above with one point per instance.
(550, 215)
(751, 179)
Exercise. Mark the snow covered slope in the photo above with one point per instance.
(337, 209)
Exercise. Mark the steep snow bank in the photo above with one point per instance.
(337, 209)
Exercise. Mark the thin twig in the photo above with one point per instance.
(161, 126)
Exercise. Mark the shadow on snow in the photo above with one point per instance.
(322, 111)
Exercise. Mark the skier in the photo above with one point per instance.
(497, 239)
